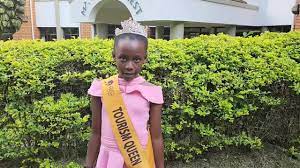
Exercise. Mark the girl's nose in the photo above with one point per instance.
(129, 66)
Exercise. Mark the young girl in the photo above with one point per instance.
(112, 145)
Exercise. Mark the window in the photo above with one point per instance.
(151, 34)
(245, 31)
(280, 28)
(71, 32)
(190, 32)
(48, 33)
(111, 30)
(167, 33)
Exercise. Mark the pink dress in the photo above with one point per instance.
(137, 97)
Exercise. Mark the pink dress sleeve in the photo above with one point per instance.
(95, 88)
(153, 94)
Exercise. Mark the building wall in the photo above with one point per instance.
(65, 15)
(26, 31)
(269, 12)
(277, 12)
(172, 10)
(45, 14)
(297, 20)
(85, 31)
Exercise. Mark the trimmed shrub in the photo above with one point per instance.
(219, 92)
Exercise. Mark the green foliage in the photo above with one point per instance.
(217, 91)
(47, 163)
(11, 13)
(294, 150)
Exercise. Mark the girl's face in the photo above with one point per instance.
(130, 55)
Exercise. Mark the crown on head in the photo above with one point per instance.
(131, 26)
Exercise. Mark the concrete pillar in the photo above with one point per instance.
(59, 30)
(231, 30)
(177, 30)
(264, 29)
(102, 30)
(159, 32)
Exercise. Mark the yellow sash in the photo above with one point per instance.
(128, 142)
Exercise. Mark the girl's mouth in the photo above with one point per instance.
(128, 74)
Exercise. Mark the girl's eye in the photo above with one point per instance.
(137, 60)
(122, 59)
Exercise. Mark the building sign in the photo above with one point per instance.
(86, 3)
(133, 3)
(83, 11)
(136, 6)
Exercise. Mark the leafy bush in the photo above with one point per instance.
(219, 92)
(46, 163)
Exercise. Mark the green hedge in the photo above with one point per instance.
(219, 92)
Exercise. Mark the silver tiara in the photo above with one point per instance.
(131, 26)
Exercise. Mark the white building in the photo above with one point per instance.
(167, 18)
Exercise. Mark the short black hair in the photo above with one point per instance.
(131, 36)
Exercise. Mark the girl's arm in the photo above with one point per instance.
(95, 139)
(156, 134)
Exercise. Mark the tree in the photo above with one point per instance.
(11, 14)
